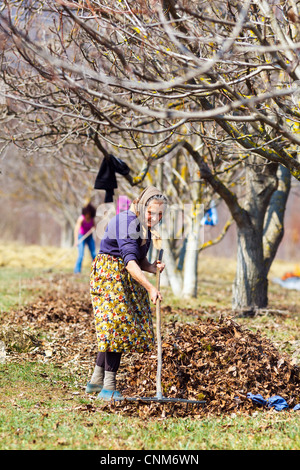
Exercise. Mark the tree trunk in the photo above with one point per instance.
(260, 235)
(172, 273)
(190, 276)
(190, 271)
(274, 222)
(66, 240)
(250, 290)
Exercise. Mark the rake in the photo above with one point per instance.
(159, 398)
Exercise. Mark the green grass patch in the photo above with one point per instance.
(19, 286)
(45, 407)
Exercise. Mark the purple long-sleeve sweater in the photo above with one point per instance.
(122, 238)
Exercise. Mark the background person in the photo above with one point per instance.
(85, 223)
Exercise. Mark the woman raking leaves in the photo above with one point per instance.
(120, 290)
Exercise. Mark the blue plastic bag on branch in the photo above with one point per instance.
(210, 216)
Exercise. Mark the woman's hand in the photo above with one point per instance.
(160, 265)
(152, 267)
(154, 295)
(135, 271)
(157, 265)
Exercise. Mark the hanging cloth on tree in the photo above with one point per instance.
(106, 177)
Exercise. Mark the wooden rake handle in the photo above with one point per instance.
(158, 332)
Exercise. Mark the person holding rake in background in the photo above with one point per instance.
(83, 234)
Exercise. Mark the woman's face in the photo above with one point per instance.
(154, 213)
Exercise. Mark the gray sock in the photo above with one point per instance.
(98, 376)
(109, 380)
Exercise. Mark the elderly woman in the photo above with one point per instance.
(120, 290)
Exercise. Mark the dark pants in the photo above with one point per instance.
(110, 361)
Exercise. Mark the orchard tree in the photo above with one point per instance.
(217, 81)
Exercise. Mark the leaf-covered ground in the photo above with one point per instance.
(210, 356)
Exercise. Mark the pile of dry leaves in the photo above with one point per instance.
(220, 362)
(215, 359)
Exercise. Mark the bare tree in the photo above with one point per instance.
(154, 78)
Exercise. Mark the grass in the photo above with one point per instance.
(14, 289)
(42, 405)
(54, 417)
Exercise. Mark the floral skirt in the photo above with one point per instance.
(121, 307)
